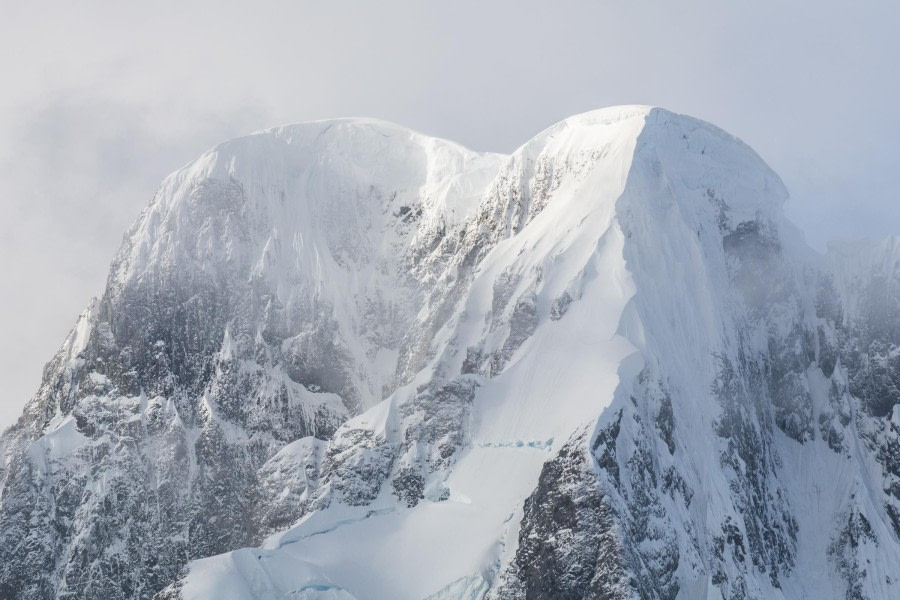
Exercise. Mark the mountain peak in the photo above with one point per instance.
(599, 366)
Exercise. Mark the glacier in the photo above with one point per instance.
(346, 360)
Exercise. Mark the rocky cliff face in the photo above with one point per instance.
(602, 367)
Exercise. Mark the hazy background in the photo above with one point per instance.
(100, 100)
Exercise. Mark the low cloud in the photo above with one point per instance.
(75, 172)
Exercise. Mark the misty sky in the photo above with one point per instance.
(101, 100)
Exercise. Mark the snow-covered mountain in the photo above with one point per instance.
(345, 360)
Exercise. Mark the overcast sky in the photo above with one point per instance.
(101, 100)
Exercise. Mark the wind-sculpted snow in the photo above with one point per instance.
(602, 367)
(258, 300)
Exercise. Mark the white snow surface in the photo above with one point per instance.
(607, 217)
(560, 381)
(310, 213)
(628, 189)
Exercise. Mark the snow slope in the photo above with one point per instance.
(604, 366)
(559, 382)
(661, 240)
(261, 297)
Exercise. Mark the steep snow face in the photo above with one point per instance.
(309, 228)
(451, 456)
(604, 366)
(636, 344)
(261, 298)
(742, 461)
